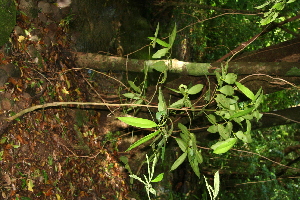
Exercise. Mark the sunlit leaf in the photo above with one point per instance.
(138, 122)
(222, 101)
(219, 79)
(160, 53)
(245, 91)
(278, 6)
(213, 129)
(211, 118)
(160, 66)
(263, 5)
(227, 90)
(230, 78)
(195, 89)
(244, 137)
(143, 140)
(223, 131)
(179, 161)
(158, 178)
(223, 146)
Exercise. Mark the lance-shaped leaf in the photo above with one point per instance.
(138, 122)
(134, 87)
(162, 43)
(183, 145)
(143, 140)
(179, 161)
(241, 113)
(246, 91)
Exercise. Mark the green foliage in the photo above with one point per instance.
(148, 180)
(229, 111)
(187, 144)
(272, 14)
(7, 19)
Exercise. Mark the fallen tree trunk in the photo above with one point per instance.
(112, 63)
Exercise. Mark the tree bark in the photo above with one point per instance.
(280, 117)
(112, 63)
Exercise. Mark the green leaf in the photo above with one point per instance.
(213, 129)
(223, 132)
(172, 36)
(132, 95)
(179, 161)
(162, 43)
(279, 6)
(183, 128)
(195, 89)
(211, 118)
(143, 140)
(177, 91)
(227, 90)
(160, 53)
(183, 145)
(134, 87)
(219, 79)
(241, 113)
(245, 90)
(195, 166)
(160, 66)
(259, 92)
(199, 157)
(229, 127)
(222, 101)
(158, 178)
(230, 78)
(138, 122)
(223, 146)
(161, 101)
(246, 138)
(155, 35)
(258, 101)
(124, 159)
(177, 104)
(257, 115)
(263, 5)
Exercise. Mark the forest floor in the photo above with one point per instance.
(58, 152)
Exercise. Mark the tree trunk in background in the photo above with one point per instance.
(280, 117)
(288, 51)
